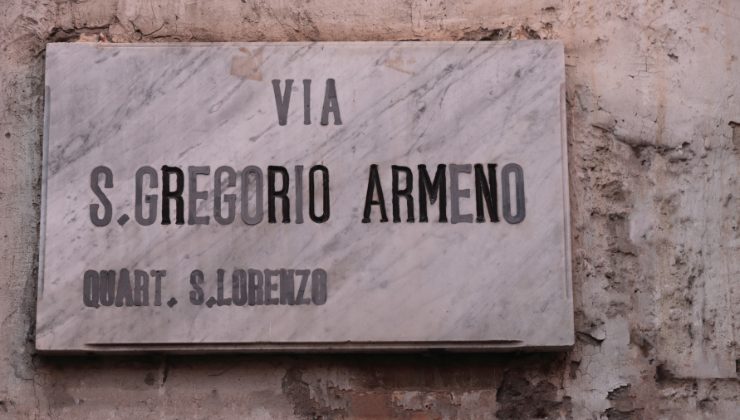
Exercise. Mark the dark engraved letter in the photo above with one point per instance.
(196, 281)
(282, 100)
(287, 287)
(194, 195)
(405, 193)
(255, 287)
(318, 286)
(486, 192)
(176, 194)
(299, 194)
(220, 300)
(107, 207)
(324, 195)
(306, 101)
(107, 287)
(124, 295)
(270, 287)
(436, 189)
(255, 173)
(456, 193)
(273, 194)
(158, 274)
(373, 184)
(299, 299)
(91, 289)
(150, 199)
(229, 199)
(513, 168)
(141, 288)
(331, 104)
(239, 287)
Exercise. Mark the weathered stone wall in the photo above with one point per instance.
(653, 110)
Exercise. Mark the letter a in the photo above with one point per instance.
(331, 104)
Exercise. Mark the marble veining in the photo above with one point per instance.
(387, 285)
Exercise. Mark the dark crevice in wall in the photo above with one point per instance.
(298, 393)
(520, 398)
(505, 33)
(735, 135)
(58, 34)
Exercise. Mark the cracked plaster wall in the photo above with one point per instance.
(653, 93)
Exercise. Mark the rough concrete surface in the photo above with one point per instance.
(653, 91)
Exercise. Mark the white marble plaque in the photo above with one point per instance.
(305, 196)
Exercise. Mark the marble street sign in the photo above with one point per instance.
(304, 196)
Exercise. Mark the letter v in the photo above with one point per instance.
(282, 100)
